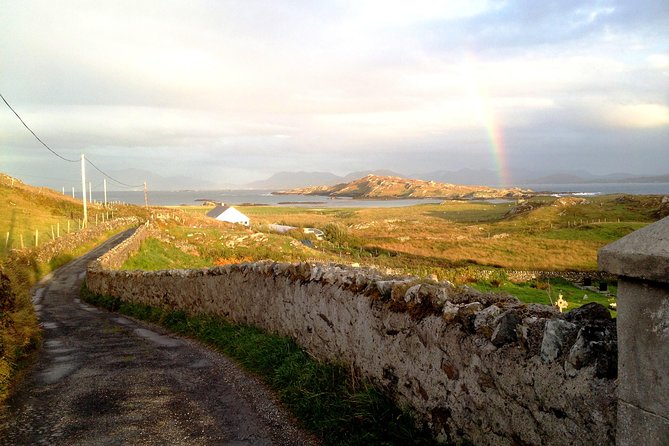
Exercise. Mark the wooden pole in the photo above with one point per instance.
(53, 235)
(36, 238)
(58, 229)
(22, 245)
(68, 226)
(83, 188)
(7, 240)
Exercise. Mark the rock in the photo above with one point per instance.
(449, 312)
(385, 288)
(467, 315)
(399, 290)
(505, 331)
(596, 345)
(413, 294)
(569, 201)
(588, 312)
(483, 322)
(557, 334)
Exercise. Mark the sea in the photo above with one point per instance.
(265, 197)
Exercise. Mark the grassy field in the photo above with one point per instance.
(549, 237)
(452, 241)
(27, 211)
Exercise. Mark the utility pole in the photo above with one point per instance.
(104, 186)
(63, 190)
(146, 196)
(73, 192)
(90, 192)
(83, 186)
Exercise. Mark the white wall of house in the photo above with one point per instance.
(232, 215)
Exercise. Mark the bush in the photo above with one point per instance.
(337, 234)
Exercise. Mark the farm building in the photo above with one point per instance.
(229, 214)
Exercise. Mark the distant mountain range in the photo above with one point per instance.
(291, 180)
(486, 177)
(156, 181)
(374, 186)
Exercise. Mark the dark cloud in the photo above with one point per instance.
(528, 23)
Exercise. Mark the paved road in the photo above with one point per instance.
(102, 379)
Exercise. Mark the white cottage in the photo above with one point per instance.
(229, 214)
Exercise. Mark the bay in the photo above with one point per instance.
(265, 197)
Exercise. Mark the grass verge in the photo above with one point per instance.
(330, 401)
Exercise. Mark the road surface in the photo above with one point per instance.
(103, 379)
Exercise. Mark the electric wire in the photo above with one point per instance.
(62, 157)
(110, 177)
(37, 137)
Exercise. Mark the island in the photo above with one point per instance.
(387, 187)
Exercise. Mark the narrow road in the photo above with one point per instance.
(103, 379)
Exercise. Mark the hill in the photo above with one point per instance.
(289, 180)
(286, 180)
(373, 186)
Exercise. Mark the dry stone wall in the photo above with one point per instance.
(480, 368)
(69, 242)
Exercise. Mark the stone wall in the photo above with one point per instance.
(115, 257)
(527, 275)
(480, 368)
(71, 241)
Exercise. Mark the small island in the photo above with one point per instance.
(387, 187)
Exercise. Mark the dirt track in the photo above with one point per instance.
(102, 379)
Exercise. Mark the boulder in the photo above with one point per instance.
(557, 334)
(588, 312)
(505, 330)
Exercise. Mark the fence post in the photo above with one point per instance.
(641, 262)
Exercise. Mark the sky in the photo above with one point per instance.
(227, 92)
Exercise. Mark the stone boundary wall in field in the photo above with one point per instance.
(115, 257)
(69, 242)
(572, 276)
(479, 368)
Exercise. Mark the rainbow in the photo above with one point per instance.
(486, 116)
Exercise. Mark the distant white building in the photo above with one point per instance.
(229, 214)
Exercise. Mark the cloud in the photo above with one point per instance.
(639, 115)
(253, 86)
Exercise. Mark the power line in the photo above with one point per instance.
(62, 157)
(37, 137)
(110, 177)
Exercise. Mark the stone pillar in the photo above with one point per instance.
(641, 261)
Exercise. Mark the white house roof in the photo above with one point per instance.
(218, 210)
(229, 214)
